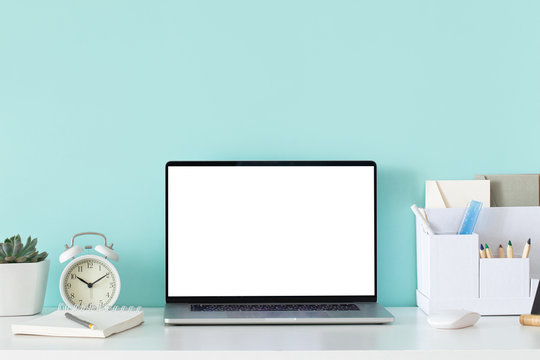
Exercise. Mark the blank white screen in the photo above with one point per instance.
(271, 230)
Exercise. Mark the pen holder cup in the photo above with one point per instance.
(504, 278)
(448, 266)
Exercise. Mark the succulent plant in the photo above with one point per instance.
(13, 251)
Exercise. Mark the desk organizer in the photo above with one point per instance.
(451, 274)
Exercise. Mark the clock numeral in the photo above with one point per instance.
(111, 285)
(80, 302)
(68, 285)
(100, 302)
(72, 295)
(72, 276)
(79, 268)
(89, 265)
(108, 295)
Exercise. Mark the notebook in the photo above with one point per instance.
(514, 190)
(106, 323)
(456, 193)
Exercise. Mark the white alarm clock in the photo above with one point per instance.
(89, 281)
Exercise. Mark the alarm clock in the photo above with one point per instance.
(89, 281)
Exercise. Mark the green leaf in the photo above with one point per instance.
(17, 248)
(21, 259)
(7, 247)
(33, 244)
(42, 256)
(27, 243)
(30, 247)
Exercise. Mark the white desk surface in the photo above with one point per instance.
(494, 336)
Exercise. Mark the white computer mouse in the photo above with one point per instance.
(453, 319)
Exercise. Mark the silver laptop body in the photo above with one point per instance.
(271, 242)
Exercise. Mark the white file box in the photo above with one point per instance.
(451, 275)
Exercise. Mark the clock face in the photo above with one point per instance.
(90, 281)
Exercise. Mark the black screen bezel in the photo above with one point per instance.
(268, 299)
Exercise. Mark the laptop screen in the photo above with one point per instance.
(270, 229)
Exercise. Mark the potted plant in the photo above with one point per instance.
(23, 275)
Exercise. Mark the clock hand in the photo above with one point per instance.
(99, 279)
(89, 285)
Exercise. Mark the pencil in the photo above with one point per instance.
(509, 250)
(527, 249)
(488, 252)
(80, 321)
(482, 252)
(501, 252)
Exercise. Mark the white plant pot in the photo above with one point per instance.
(23, 288)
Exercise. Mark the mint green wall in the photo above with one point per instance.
(95, 97)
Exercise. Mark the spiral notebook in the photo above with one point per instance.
(106, 322)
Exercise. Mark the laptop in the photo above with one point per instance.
(271, 242)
